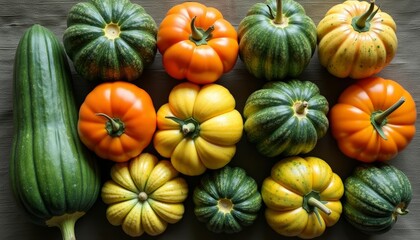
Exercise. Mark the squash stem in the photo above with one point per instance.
(279, 13)
(66, 223)
(362, 23)
(198, 35)
(189, 127)
(378, 119)
(300, 107)
(115, 127)
(318, 204)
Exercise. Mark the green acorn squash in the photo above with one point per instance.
(286, 118)
(374, 196)
(276, 39)
(54, 178)
(227, 200)
(110, 40)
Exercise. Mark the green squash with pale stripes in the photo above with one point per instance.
(227, 200)
(276, 39)
(286, 118)
(54, 177)
(374, 196)
(110, 40)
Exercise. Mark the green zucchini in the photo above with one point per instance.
(54, 178)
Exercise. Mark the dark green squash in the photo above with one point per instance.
(54, 178)
(286, 118)
(374, 196)
(110, 40)
(276, 39)
(227, 200)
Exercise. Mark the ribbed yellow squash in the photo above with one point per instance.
(144, 195)
(198, 128)
(302, 196)
(356, 39)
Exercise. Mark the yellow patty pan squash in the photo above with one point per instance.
(302, 197)
(198, 128)
(356, 39)
(144, 195)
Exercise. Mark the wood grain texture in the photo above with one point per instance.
(16, 17)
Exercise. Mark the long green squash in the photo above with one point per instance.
(53, 176)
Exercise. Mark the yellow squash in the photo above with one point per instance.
(198, 128)
(302, 196)
(356, 39)
(144, 195)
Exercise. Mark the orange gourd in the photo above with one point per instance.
(373, 119)
(197, 43)
(117, 120)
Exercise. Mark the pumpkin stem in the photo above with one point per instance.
(198, 35)
(142, 196)
(362, 23)
(278, 19)
(300, 107)
(312, 202)
(114, 126)
(189, 127)
(378, 118)
(399, 211)
(318, 204)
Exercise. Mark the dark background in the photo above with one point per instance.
(17, 16)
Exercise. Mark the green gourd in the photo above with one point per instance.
(286, 118)
(276, 39)
(54, 178)
(110, 40)
(227, 200)
(374, 196)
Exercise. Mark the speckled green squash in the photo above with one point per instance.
(110, 40)
(53, 176)
(374, 196)
(286, 118)
(276, 39)
(227, 200)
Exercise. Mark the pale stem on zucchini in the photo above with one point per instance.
(379, 118)
(66, 224)
(362, 23)
(198, 35)
(114, 126)
(189, 127)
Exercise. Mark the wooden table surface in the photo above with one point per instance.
(17, 16)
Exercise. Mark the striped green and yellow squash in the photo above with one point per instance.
(110, 40)
(227, 200)
(286, 118)
(374, 196)
(276, 39)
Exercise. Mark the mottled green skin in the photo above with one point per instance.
(98, 58)
(51, 171)
(273, 125)
(227, 183)
(274, 52)
(372, 194)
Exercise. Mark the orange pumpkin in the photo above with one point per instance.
(117, 121)
(197, 43)
(373, 119)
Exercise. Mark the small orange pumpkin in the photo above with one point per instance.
(373, 119)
